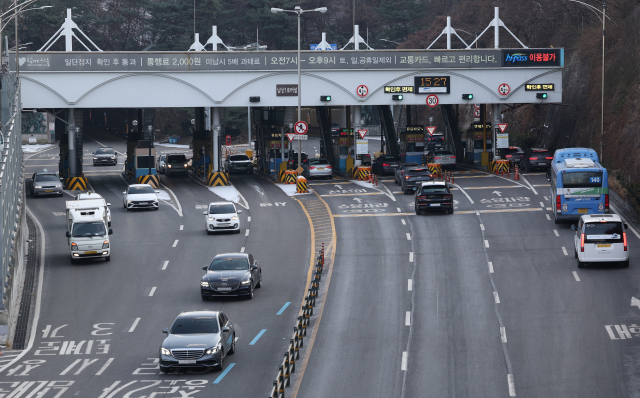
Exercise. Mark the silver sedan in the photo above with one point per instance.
(320, 168)
(46, 183)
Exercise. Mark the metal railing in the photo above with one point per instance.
(11, 186)
(288, 364)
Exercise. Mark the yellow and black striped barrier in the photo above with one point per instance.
(218, 179)
(363, 173)
(152, 180)
(301, 185)
(491, 166)
(435, 168)
(352, 173)
(289, 177)
(76, 184)
(501, 166)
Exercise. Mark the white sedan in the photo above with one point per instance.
(222, 216)
(140, 196)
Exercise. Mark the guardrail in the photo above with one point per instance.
(288, 364)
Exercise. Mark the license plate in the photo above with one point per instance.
(91, 252)
(224, 289)
(48, 190)
(414, 188)
(604, 245)
(224, 225)
(583, 211)
(320, 168)
(186, 361)
(435, 204)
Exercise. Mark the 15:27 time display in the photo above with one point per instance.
(432, 84)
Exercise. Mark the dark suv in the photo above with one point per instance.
(176, 163)
(536, 158)
(293, 160)
(512, 154)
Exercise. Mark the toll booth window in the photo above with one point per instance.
(477, 144)
(236, 158)
(415, 147)
(144, 162)
(344, 150)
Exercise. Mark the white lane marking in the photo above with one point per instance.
(529, 184)
(404, 361)
(477, 213)
(564, 250)
(181, 227)
(548, 216)
(482, 227)
(407, 319)
(496, 297)
(133, 326)
(247, 233)
(555, 231)
(410, 285)
(548, 208)
(153, 290)
(179, 208)
(490, 267)
(542, 205)
(408, 236)
(464, 192)
(486, 243)
(165, 265)
(575, 275)
(512, 388)
(249, 219)
(503, 334)
(399, 210)
(402, 219)
(410, 257)
(622, 216)
(175, 243)
(242, 249)
(104, 367)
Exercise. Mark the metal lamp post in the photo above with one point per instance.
(150, 129)
(215, 150)
(299, 11)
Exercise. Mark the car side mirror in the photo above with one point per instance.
(68, 234)
(573, 227)
(239, 211)
(110, 231)
(124, 193)
(625, 226)
(108, 204)
(165, 330)
(205, 268)
(225, 329)
(204, 212)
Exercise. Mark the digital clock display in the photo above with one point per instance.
(432, 84)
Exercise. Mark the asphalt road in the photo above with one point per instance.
(100, 323)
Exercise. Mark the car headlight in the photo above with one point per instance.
(169, 166)
(164, 351)
(234, 217)
(95, 158)
(105, 244)
(247, 282)
(212, 350)
(113, 156)
(211, 218)
(74, 246)
(37, 186)
(204, 283)
(185, 165)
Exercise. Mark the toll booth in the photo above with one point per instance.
(341, 148)
(275, 155)
(201, 163)
(478, 147)
(143, 161)
(412, 144)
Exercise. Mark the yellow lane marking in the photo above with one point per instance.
(355, 194)
(541, 185)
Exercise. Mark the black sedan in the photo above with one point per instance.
(231, 275)
(105, 156)
(413, 178)
(399, 173)
(200, 339)
(513, 154)
(385, 165)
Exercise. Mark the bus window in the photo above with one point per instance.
(582, 179)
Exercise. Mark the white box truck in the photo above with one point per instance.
(87, 232)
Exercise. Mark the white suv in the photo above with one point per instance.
(601, 238)
(222, 216)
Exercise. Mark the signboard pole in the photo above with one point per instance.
(496, 130)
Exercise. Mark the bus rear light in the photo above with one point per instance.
(606, 202)
(624, 239)
(581, 242)
(558, 204)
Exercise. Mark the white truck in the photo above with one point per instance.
(87, 232)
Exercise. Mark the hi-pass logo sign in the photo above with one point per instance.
(533, 57)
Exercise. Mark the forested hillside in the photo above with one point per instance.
(157, 25)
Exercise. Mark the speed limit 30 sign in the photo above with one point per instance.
(432, 100)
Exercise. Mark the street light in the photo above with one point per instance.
(603, 19)
(390, 41)
(299, 11)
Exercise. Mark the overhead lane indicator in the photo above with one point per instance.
(301, 127)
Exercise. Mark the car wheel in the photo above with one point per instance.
(156, 208)
(165, 369)
(625, 264)
(204, 298)
(108, 258)
(418, 212)
(259, 285)
(405, 191)
(450, 211)
(127, 208)
(232, 349)
(580, 264)
(250, 295)
(61, 194)
(221, 362)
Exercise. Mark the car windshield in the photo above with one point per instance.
(540, 154)
(418, 172)
(318, 162)
(229, 264)
(88, 229)
(511, 150)
(226, 208)
(610, 232)
(193, 325)
(104, 151)
(176, 158)
(46, 177)
(236, 158)
(390, 158)
(444, 153)
(434, 189)
(139, 190)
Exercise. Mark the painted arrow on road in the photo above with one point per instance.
(337, 186)
(497, 193)
(635, 302)
(358, 199)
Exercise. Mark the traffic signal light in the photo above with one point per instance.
(467, 96)
(541, 95)
(325, 98)
(397, 97)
